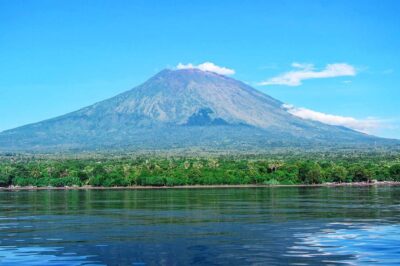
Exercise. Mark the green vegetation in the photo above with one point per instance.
(208, 170)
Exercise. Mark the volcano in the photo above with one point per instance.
(182, 109)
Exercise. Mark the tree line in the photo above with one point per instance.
(179, 171)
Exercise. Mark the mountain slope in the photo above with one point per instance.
(181, 109)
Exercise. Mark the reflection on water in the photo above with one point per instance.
(366, 244)
(41, 256)
(263, 226)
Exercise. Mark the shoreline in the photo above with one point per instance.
(353, 184)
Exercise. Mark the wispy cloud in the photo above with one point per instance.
(388, 71)
(307, 71)
(208, 66)
(367, 125)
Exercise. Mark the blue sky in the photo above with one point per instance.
(58, 56)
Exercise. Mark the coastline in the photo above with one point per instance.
(353, 184)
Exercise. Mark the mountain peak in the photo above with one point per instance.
(187, 73)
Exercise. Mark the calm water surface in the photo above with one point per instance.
(247, 226)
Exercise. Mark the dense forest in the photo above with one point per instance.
(109, 171)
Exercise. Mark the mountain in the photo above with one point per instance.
(182, 109)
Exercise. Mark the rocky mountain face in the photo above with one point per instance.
(182, 109)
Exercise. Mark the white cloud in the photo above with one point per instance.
(208, 66)
(307, 71)
(367, 125)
